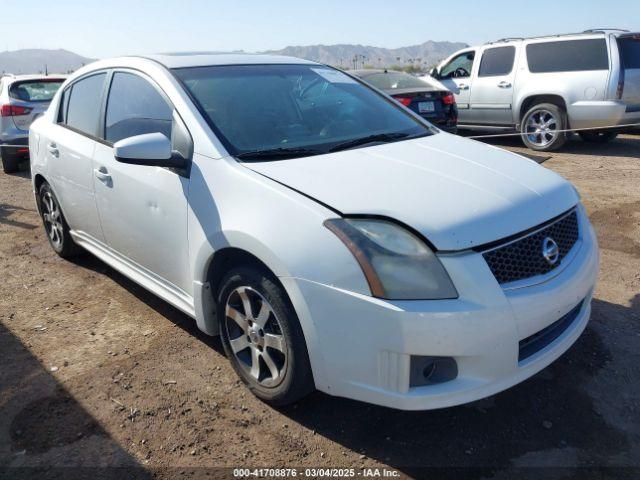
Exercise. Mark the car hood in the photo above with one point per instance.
(458, 193)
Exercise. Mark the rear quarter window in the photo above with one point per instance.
(568, 56)
(630, 51)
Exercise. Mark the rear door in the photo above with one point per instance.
(143, 209)
(629, 47)
(69, 147)
(456, 76)
(492, 93)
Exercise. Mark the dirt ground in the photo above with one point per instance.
(97, 372)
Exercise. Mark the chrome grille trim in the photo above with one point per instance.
(520, 259)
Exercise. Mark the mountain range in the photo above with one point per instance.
(424, 55)
(39, 60)
(345, 55)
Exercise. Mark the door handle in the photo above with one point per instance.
(462, 86)
(102, 174)
(53, 149)
(504, 85)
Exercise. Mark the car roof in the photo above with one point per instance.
(591, 32)
(205, 59)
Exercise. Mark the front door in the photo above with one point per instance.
(492, 93)
(455, 75)
(143, 209)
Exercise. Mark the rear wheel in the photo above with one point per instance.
(598, 136)
(542, 127)
(262, 337)
(55, 224)
(10, 160)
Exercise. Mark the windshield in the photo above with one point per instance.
(394, 80)
(35, 90)
(303, 109)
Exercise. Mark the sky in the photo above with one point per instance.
(100, 29)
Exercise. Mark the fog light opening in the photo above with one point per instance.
(431, 370)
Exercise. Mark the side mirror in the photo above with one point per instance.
(434, 73)
(151, 149)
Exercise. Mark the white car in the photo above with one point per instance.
(333, 239)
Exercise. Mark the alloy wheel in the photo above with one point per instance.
(541, 128)
(52, 219)
(255, 336)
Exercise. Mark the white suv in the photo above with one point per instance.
(334, 239)
(541, 86)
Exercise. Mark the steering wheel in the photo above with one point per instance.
(460, 72)
(312, 83)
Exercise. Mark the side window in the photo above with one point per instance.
(497, 61)
(82, 103)
(630, 50)
(135, 107)
(568, 56)
(459, 67)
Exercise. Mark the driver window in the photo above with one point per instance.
(459, 67)
(135, 108)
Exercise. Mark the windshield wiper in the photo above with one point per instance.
(378, 138)
(278, 153)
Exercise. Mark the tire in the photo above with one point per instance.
(55, 224)
(10, 160)
(540, 125)
(598, 136)
(273, 341)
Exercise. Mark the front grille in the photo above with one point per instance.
(523, 258)
(536, 342)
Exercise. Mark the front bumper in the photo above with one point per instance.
(360, 347)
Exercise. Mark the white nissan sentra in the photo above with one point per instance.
(332, 238)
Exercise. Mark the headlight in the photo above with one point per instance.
(397, 264)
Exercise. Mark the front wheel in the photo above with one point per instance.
(542, 127)
(262, 337)
(598, 136)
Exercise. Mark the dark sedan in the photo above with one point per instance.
(432, 103)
